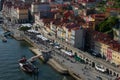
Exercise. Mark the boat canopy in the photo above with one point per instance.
(34, 31)
(26, 25)
(42, 37)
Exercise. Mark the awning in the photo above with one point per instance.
(31, 30)
(26, 25)
(42, 37)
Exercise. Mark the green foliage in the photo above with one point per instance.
(101, 6)
(117, 4)
(107, 25)
(24, 28)
(109, 32)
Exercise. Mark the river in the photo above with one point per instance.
(11, 52)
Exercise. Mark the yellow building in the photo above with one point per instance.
(100, 47)
(61, 32)
(108, 48)
(22, 12)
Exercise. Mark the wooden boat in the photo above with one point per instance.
(26, 66)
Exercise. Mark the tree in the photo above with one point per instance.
(24, 28)
(107, 25)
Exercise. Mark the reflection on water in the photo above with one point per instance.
(11, 52)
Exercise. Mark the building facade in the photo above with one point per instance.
(106, 46)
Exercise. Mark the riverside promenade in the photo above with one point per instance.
(74, 69)
(19, 35)
(57, 65)
(51, 61)
(54, 62)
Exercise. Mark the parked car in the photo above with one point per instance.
(100, 68)
(57, 47)
(51, 43)
(67, 53)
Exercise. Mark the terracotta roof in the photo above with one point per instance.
(99, 15)
(47, 20)
(112, 9)
(71, 26)
(55, 11)
(85, 1)
(106, 39)
(57, 21)
(68, 13)
(17, 4)
(110, 2)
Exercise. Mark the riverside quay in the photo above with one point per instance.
(60, 40)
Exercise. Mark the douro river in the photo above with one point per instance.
(11, 52)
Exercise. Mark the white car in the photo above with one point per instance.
(100, 68)
(67, 53)
(57, 47)
(51, 43)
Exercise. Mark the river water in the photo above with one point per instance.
(11, 52)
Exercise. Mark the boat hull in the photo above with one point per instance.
(4, 40)
(26, 67)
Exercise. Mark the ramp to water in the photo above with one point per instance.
(34, 57)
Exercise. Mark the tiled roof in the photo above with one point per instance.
(106, 39)
(112, 9)
(85, 1)
(47, 20)
(68, 13)
(98, 15)
(16, 4)
(110, 2)
(72, 26)
(57, 21)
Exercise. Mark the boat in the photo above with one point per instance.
(26, 66)
(4, 39)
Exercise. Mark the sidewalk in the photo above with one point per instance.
(51, 62)
(80, 70)
(86, 55)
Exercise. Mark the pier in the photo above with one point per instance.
(51, 62)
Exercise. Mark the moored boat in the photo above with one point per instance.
(26, 66)
(4, 39)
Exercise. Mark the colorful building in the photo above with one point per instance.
(17, 11)
(106, 46)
